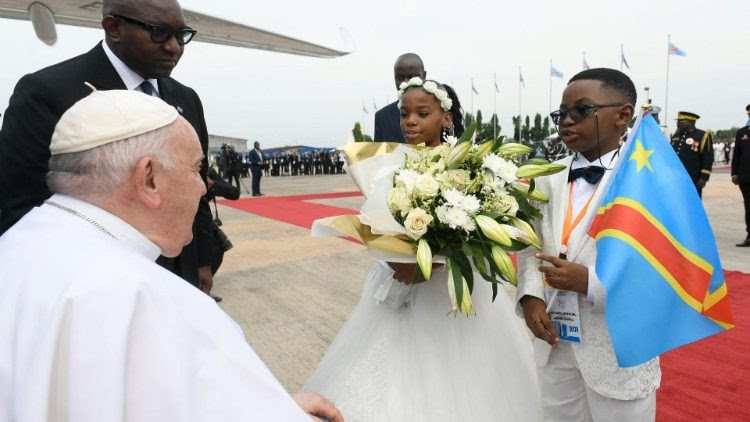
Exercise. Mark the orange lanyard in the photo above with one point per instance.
(569, 224)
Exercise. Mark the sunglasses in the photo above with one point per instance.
(577, 113)
(161, 34)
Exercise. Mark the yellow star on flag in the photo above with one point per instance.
(641, 155)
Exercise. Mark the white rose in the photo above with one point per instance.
(460, 177)
(441, 95)
(416, 223)
(447, 103)
(399, 201)
(426, 186)
(403, 86)
(430, 87)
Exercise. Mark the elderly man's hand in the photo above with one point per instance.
(735, 180)
(701, 183)
(318, 407)
(205, 279)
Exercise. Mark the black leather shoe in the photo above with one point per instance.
(744, 244)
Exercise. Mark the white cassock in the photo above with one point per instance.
(91, 329)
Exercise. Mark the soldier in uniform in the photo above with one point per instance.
(695, 149)
(741, 171)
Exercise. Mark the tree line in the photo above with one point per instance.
(524, 133)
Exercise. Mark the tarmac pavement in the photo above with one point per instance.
(291, 293)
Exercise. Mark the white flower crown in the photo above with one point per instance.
(442, 96)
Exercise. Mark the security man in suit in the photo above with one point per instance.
(695, 148)
(388, 118)
(144, 40)
(741, 171)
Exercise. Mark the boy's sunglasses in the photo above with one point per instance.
(161, 34)
(578, 113)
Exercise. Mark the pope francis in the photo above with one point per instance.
(91, 329)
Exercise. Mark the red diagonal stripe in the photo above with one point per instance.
(721, 311)
(692, 278)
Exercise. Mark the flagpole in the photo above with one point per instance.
(519, 104)
(550, 86)
(621, 56)
(494, 108)
(666, 90)
(472, 97)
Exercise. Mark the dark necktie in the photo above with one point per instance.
(146, 88)
(591, 174)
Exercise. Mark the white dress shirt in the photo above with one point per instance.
(582, 191)
(128, 76)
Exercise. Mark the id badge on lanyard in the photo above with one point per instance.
(564, 312)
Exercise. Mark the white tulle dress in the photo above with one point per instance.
(400, 357)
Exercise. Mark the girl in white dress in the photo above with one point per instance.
(401, 357)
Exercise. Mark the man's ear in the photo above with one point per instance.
(146, 179)
(112, 28)
(625, 115)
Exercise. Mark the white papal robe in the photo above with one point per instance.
(91, 329)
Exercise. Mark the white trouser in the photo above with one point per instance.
(567, 398)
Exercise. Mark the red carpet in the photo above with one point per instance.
(710, 380)
(705, 381)
(292, 209)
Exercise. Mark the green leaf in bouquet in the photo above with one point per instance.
(464, 266)
(525, 208)
(460, 297)
(468, 133)
(494, 292)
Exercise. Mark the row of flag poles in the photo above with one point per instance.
(672, 50)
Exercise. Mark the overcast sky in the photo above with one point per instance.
(281, 99)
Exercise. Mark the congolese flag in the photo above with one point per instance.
(656, 253)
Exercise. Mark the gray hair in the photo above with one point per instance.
(99, 172)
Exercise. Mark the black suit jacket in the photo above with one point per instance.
(38, 102)
(388, 124)
(741, 157)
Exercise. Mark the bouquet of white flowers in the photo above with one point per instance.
(464, 202)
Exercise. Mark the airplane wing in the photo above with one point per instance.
(45, 14)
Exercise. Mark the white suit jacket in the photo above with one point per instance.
(594, 355)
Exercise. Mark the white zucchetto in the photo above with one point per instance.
(108, 116)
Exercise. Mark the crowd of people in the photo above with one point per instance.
(118, 325)
(309, 163)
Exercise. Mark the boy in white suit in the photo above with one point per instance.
(578, 374)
